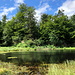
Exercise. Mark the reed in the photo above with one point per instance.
(67, 68)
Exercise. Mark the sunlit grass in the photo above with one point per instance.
(67, 68)
(36, 48)
(14, 49)
(10, 68)
(4, 71)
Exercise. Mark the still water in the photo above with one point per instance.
(35, 58)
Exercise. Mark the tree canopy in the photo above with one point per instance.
(58, 29)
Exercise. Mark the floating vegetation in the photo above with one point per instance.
(12, 57)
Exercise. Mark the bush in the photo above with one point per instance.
(53, 38)
(21, 45)
(31, 43)
(27, 43)
(50, 46)
(38, 42)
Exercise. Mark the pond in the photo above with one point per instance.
(34, 59)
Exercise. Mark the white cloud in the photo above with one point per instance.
(6, 11)
(19, 1)
(69, 7)
(42, 10)
(43, 1)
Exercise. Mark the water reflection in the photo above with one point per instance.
(36, 58)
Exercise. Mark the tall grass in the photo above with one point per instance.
(11, 69)
(67, 68)
(4, 71)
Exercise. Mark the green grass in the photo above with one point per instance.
(67, 68)
(36, 48)
(4, 71)
(10, 68)
(14, 49)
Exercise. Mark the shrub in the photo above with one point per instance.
(50, 46)
(27, 43)
(38, 42)
(22, 45)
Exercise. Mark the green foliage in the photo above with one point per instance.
(53, 38)
(27, 43)
(50, 46)
(2, 25)
(1, 30)
(22, 45)
(20, 26)
(25, 19)
(38, 42)
(57, 30)
(4, 20)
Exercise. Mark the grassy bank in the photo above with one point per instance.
(37, 48)
(66, 68)
(10, 69)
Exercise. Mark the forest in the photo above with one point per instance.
(57, 30)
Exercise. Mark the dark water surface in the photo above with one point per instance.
(35, 58)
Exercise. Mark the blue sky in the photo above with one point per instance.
(9, 7)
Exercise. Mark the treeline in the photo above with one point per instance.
(58, 29)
